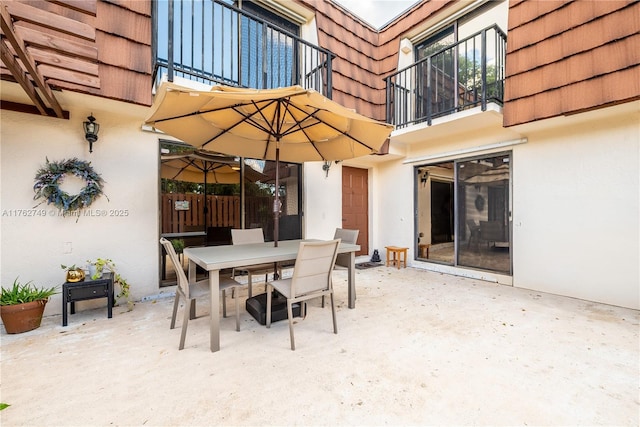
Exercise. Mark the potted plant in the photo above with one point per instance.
(102, 265)
(22, 306)
(178, 245)
(74, 274)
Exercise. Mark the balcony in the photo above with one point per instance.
(212, 42)
(459, 77)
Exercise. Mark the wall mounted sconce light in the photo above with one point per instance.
(326, 166)
(406, 46)
(91, 129)
(424, 177)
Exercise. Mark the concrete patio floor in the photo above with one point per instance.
(420, 348)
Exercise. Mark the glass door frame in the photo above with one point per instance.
(455, 262)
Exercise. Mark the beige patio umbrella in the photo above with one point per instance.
(203, 167)
(490, 176)
(291, 124)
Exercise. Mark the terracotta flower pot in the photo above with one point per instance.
(25, 317)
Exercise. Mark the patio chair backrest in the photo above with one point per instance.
(183, 283)
(346, 236)
(312, 270)
(247, 236)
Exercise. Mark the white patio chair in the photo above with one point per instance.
(248, 236)
(311, 279)
(342, 260)
(195, 290)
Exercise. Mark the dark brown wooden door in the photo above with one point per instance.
(355, 204)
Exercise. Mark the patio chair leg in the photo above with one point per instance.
(290, 315)
(237, 313)
(249, 284)
(176, 303)
(333, 312)
(192, 309)
(185, 323)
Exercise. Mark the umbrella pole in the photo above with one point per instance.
(205, 209)
(276, 201)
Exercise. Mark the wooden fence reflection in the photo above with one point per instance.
(189, 214)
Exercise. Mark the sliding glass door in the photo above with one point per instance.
(463, 213)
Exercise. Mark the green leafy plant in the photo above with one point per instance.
(105, 265)
(3, 406)
(178, 245)
(20, 293)
(70, 267)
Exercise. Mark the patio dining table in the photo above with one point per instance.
(215, 258)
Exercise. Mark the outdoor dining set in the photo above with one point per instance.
(289, 124)
(311, 277)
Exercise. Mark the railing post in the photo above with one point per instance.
(429, 107)
(265, 53)
(387, 113)
(329, 81)
(170, 44)
(483, 67)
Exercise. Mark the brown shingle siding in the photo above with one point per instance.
(584, 66)
(364, 55)
(522, 12)
(563, 19)
(355, 67)
(577, 57)
(124, 23)
(582, 39)
(141, 7)
(123, 53)
(118, 83)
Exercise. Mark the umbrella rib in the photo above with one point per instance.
(271, 130)
(246, 118)
(298, 124)
(198, 113)
(334, 128)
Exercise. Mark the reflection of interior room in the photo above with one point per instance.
(482, 212)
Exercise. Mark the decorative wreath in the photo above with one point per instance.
(49, 178)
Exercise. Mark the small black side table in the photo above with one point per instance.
(88, 289)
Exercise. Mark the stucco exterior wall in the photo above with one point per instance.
(126, 230)
(576, 212)
(575, 195)
(322, 200)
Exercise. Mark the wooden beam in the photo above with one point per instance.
(24, 12)
(71, 76)
(18, 44)
(86, 6)
(62, 61)
(78, 47)
(30, 109)
(21, 77)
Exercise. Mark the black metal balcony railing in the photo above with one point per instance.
(213, 42)
(464, 75)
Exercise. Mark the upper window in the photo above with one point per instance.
(268, 56)
(436, 42)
